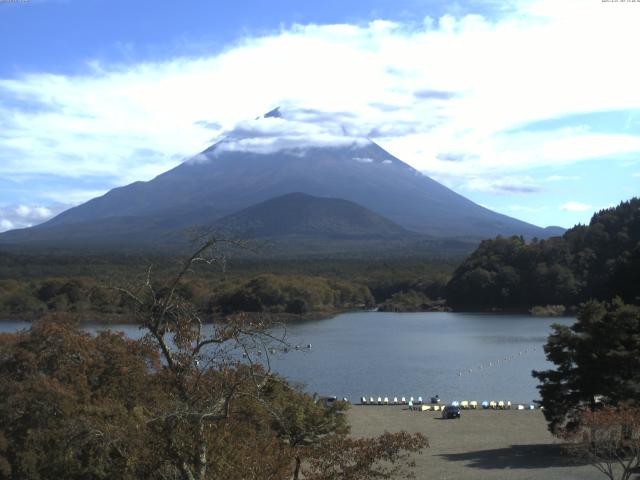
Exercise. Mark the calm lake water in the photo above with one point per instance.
(459, 356)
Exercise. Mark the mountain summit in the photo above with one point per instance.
(270, 157)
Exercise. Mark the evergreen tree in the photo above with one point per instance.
(598, 356)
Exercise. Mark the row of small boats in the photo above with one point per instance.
(396, 401)
(435, 403)
(493, 405)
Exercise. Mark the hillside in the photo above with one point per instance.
(598, 261)
(302, 214)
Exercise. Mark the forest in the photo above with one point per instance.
(86, 286)
(597, 261)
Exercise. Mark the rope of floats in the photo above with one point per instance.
(496, 363)
(435, 404)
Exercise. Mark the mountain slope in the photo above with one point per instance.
(249, 167)
(222, 182)
(305, 215)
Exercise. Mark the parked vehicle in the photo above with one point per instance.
(451, 411)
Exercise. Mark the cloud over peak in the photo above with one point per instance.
(453, 96)
(292, 129)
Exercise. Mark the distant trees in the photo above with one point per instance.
(600, 261)
(290, 294)
(411, 301)
(266, 293)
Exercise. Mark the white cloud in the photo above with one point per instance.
(525, 208)
(36, 213)
(503, 185)
(366, 160)
(20, 216)
(575, 207)
(6, 225)
(456, 84)
(72, 197)
(561, 178)
(292, 130)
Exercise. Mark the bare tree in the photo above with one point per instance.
(208, 365)
(212, 366)
(609, 439)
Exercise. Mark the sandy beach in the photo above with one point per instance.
(483, 444)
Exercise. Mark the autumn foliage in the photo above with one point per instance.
(609, 439)
(188, 400)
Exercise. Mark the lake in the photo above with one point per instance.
(460, 356)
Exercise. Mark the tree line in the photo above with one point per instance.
(292, 288)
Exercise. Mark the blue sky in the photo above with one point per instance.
(531, 108)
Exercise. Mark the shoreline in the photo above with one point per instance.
(127, 319)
